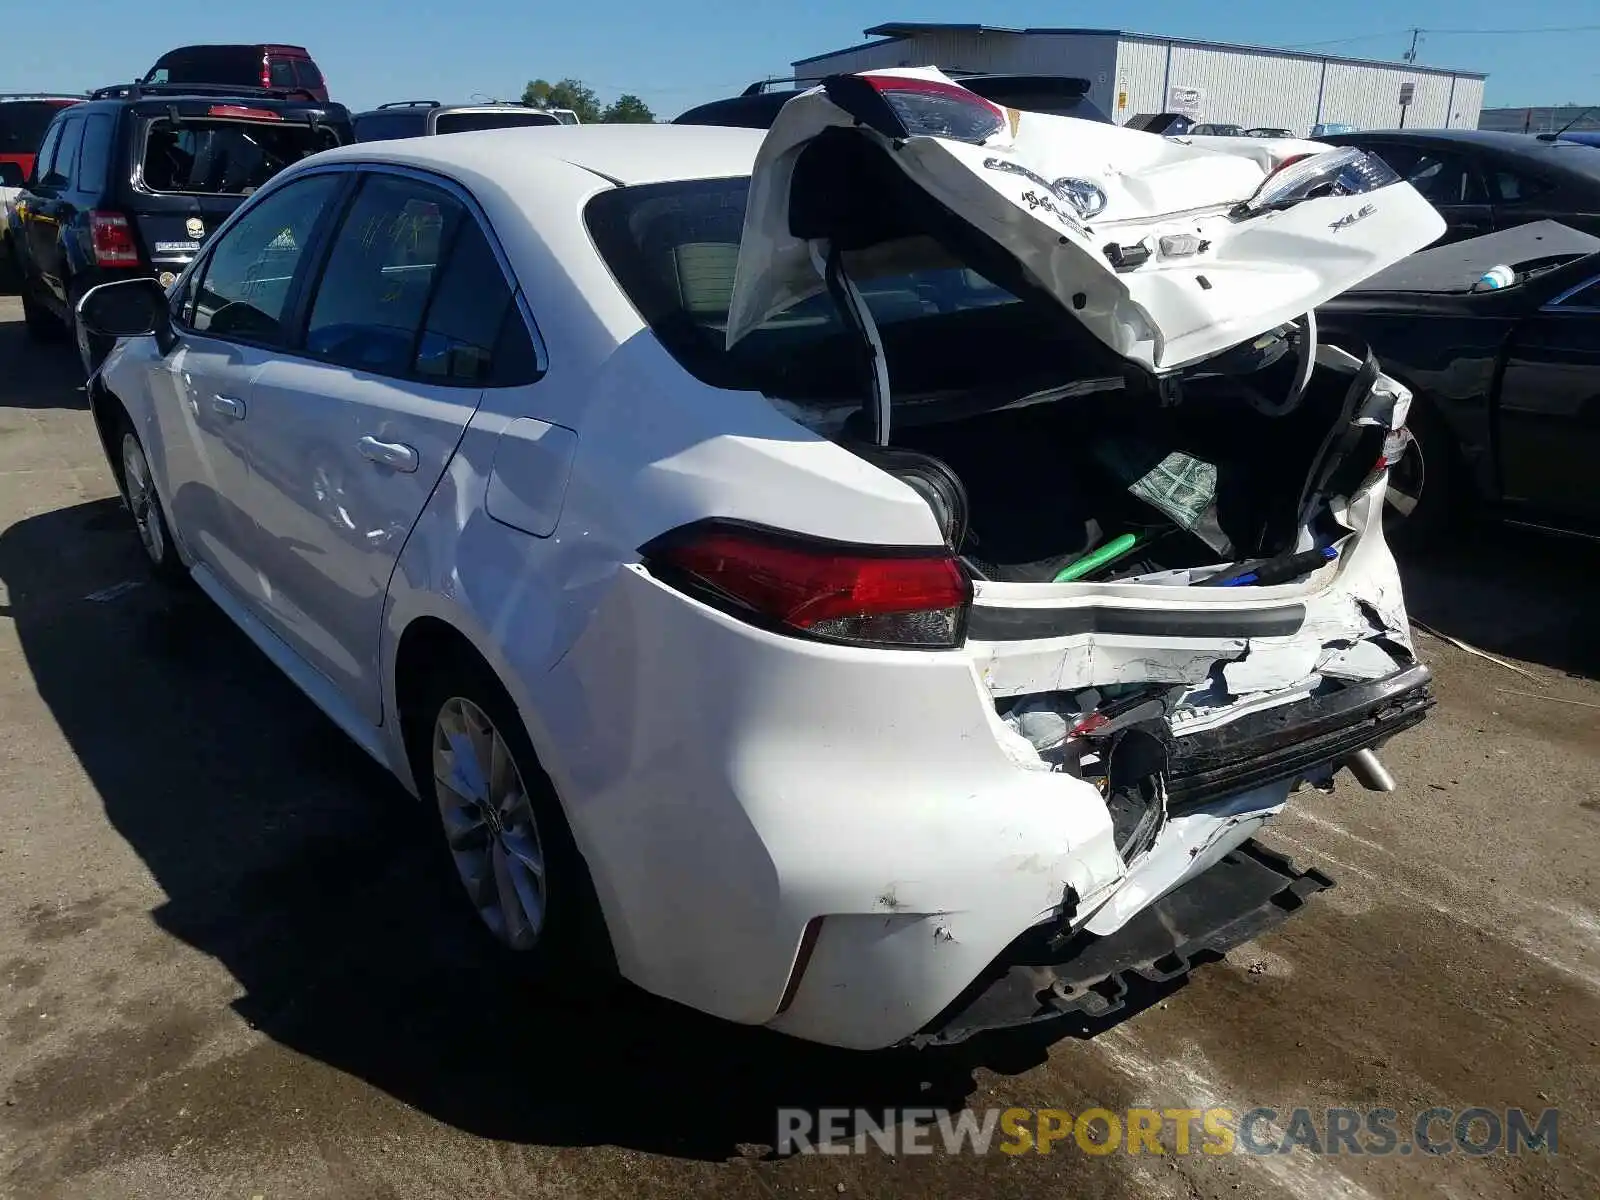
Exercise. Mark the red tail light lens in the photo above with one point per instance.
(901, 106)
(113, 240)
(862, 595)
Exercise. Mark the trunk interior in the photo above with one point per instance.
(1206, 481)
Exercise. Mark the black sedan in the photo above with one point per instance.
(1483, 181)
(1506, 382)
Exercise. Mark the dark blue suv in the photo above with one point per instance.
(136, 179)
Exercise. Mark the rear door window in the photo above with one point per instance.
(1514, 187)
(383, 126)
(473, 332)
(94, 158)
(306, 71)
(1445, 178)
(64, 164)
(280, 73)
(247, 282)
(225, 157)
(367, 312)
(47, 151)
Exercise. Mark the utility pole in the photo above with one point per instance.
(1416, 35)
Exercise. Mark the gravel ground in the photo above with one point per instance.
(228, 968)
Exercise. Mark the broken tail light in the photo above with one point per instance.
(112, 239)
(1343, 172)
(902, 106)
(905, 598)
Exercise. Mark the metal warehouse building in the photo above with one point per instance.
(1133, 73)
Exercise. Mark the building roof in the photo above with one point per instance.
(900, 30)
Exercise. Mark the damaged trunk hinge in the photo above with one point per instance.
(829, 263)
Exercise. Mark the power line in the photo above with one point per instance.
(1430, 31)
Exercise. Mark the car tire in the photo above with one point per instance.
(41, 324)
(1423, 502)
(501, 829)
(137, 483)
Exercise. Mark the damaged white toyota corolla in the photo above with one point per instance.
(869, 582)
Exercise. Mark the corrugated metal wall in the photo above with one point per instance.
(1240, 86)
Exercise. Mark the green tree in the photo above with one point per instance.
(566, 93)
(628, 109)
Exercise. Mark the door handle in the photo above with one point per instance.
(228, 407)
(391, 454)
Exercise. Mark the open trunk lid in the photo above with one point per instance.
(1168, 252)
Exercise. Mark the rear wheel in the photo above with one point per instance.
(41, 324)
(1423, 499)
(504, 833)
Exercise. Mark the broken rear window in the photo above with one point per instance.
(225, 157)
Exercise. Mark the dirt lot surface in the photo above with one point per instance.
(227, 967)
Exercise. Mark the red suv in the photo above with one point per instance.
(262, 65)
(23, 120)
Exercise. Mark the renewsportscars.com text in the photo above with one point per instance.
(1476, 1132)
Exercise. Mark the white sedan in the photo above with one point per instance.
(880, 611)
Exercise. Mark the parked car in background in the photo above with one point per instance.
(1584, 137)
(502, 444)
(23, 119)
(1268, 131)
(1505, 411)
(420, 118)
(1205, 129)
(134, 181)
(266, 65)
(1484, 181)
(758, 104)
(1326, 128)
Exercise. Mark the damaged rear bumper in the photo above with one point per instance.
(1041, 975)
(1289, 740)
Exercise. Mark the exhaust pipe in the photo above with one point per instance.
(1369, 772)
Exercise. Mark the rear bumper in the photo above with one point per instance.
(1042, 976)
(1283, 743)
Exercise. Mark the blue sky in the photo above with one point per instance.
(681, 53)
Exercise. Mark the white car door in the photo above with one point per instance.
(230, 318)
(349, 435)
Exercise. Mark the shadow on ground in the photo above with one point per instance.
(1512, 592)
(36, 375)
(299, 864)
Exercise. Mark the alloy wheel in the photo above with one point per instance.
(489, 823)
(141, 494)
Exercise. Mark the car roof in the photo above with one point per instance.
(624, 154)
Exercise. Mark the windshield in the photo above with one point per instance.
(460, 122)
(209, 64)
(225, 157)
(947, 331)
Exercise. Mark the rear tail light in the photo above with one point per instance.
(829, 591)
(901, 106)
(1343, 172)
(113, 240)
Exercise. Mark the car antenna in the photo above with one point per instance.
(1550, 137)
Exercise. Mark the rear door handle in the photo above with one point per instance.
(228, 407)
(391, 454)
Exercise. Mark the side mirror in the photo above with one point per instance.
(11, 175)
(126, 308)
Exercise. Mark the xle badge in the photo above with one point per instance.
(1349, 219)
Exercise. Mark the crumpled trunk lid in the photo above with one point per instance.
(1141, 238)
